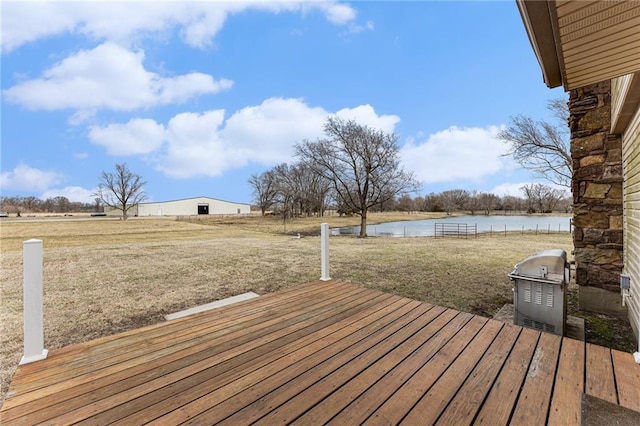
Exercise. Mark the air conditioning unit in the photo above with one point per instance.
(540, 288)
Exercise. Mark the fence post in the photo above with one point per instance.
(32, 298)
(324, 248)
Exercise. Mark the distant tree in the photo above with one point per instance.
(541, 146)
(406, 204)
(473, 202)
(362, 164)
(61, 204)
(122, 189)
(433, 202)
(264, 188)
(454, 199)
(542, 198)
(487, 202)
(511, 203)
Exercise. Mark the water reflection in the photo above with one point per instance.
(426, 228)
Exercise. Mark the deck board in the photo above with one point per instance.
(322, 352)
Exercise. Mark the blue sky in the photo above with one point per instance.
(196, 97)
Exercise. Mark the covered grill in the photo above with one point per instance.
(540, 287)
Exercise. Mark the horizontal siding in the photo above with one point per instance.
(189, 207)
(631, 194)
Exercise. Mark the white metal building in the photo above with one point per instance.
(192, 206)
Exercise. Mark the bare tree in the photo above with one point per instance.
(473, 202)
(542, 198)
(264, 190)
(406, 204)
(362, 164)
(454, 199)
(121, 189)
(541, 146)
(487, 202)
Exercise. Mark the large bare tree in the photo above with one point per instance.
(542, 146)
(122, 189)
(265, 191)
(362, 164)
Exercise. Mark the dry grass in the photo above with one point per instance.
(102, 277)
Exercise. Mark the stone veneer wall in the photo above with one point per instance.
(597, 192)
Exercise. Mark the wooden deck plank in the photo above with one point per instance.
(365, 393)
(401, 402)
(191, 390)
(258, 353)
(352, 363)
(599, 380)
(500, 403)
(347, 335)
(205, 335)
(569, 387)
(434, 402)
(627, 379)
(160, 370)
(328, 358)
(468, 399)
(160, 366)
(217, 320)
(322, 353)
(532, 406)
(383, 356)
(117, 342)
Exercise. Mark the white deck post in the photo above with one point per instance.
(32, 298)
(324, 245)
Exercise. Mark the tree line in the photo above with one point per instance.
(278, 191)
(59, 204)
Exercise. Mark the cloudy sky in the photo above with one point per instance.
(196, 97)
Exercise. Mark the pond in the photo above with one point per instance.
(480, 224)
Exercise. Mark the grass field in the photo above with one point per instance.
(105, 276)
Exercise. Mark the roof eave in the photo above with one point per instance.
(537, 19)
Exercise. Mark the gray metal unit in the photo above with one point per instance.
(540, 287)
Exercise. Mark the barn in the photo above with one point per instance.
(185, 207)
(192, 206)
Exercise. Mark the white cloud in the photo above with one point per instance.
(112, 77)
(138, 136)
(125, 22)
(455, 154)
(207, 144)
(72, 193)
(80, 155)
(366, 115)
(194, 148)
(338, 13)
(515, 188)
(509, 189)
(356, 28)
(26, 178)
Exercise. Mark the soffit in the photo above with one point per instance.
(598, 40)
(580, 42)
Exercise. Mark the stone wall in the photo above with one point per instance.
(597, 188)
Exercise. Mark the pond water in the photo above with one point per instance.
(483, 224)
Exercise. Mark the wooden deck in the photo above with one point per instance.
(322, 353)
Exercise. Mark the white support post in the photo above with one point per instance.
(32, 298)
(324, 245)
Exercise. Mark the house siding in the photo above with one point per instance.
(631, 194)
